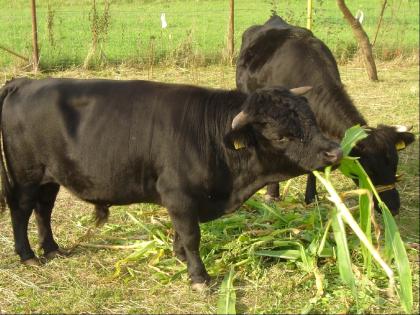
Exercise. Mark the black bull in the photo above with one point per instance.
(278, 53)
(122, 142)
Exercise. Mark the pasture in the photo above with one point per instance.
(130, 32)
(106, 274)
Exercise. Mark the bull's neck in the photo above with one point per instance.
(334, 110)
(251, 175)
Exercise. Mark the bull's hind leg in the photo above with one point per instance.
(21, 207)
(273, 192)
(43, 209)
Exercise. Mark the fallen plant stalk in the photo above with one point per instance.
(131, 246)
(344, 212)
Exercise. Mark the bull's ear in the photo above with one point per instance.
(404, 139)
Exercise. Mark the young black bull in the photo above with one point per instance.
(278, 53)
(122, 142)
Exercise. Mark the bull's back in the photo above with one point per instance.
(102, 139)
(296, 58)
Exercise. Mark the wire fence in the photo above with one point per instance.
(75, 33)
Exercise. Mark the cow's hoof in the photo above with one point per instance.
(56, 254)
(32, 262)
(199, 287)
(269, 198)
(181, 256)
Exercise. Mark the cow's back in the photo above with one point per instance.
(105, 140)
(280, 54)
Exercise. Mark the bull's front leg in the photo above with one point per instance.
(185, 223)
(310, 192)
(179, 250)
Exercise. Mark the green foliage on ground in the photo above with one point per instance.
(130, 31)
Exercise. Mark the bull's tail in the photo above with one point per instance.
(6, 184)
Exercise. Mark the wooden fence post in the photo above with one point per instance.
(231, 30)
(309, 15)
(34, 37)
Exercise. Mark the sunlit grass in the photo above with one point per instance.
(197, 30)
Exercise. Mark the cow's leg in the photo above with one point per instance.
(273, 191)
(186, 226)
(178, 248)
(43, 209)
(310, 192)
(21, 208)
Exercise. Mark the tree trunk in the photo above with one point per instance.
(362, 39)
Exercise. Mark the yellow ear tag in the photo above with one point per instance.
(238, 144)
(400, 145)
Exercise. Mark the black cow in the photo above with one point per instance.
(121, 142)
(198, 152)
(278, 53)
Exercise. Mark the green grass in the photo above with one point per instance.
(196, 30)
(157, 283)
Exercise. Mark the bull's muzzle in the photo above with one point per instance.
(333, 156)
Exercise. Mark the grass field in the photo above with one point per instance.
(131, 33)
(86, 281)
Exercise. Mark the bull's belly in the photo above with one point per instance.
(118, 190)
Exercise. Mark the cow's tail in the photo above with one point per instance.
(6, 183)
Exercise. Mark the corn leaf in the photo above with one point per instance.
(145, 249)
(264, 207)
(227, 296)
(365, 213)
(392, 236)
(351, 137)
(292, 254)
(343, 256)
(394, 246)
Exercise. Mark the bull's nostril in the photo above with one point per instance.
(333, 156)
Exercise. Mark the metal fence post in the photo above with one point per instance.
(34, 37)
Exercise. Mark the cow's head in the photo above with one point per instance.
(278, 123)
(379, 157)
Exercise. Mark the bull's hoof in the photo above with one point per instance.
(32, 262)
(199, 287)
(181, 256)
(56, 254)
(269, 198)
(309, 201)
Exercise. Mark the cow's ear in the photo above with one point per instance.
(404, 139)
(239, 139)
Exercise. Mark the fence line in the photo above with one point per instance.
(65, 34)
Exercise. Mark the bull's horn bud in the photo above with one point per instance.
(240, 120)
(301, 90)
(402, 128)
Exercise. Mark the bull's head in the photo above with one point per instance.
(279, 123)
(379, 157)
